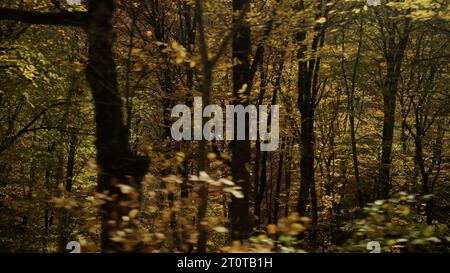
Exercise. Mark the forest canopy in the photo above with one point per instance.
(356, 101)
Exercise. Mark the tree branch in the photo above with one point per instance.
(5, 144)
(75, 18)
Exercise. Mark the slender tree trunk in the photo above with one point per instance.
(394, 53)
(387, 139)
(307, 86)
(189, 21)
(66, 216)
(60, 212)
(278, 183)
(63, 224)
(287, 177)
(425, 178)
(259, 194)
(259, 162)
(351, 107)
(201, 155)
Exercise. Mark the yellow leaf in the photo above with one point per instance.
(272, 229)
(321, 20)
(133, 213)
(220, 229)
(212, 156)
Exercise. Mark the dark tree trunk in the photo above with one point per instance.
(389, 103)
(350, 90)
(425, 176)
(256, 178)
(116, 162)
(260, 165)
(278, 184)
(259, 191)
(287, 177)
(393, 52)
(189, 39)
(307, 86)
(386, 142)
(201, 154)
(306, 103)
(65, 217)
(240, 149)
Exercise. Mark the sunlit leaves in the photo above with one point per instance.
(220, 229)
(321, 20)
(396, 226)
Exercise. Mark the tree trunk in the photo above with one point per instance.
(114, 158)
(278, 183)
(425, 177)
(307, 87)
(259, 191)
(287, 177)
(351, 108)
(201, 155)
(387, 139)
(393, 53)
(240, 149)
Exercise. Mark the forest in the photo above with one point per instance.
(360, 159)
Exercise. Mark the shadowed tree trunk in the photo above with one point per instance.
(394, 45)
(350, 88)
(287, 177)
(114, 157)
(260, 191)
(278, 183)
(307, 86)
(207, 67)
(239, 207)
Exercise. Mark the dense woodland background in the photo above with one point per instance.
(86, 93)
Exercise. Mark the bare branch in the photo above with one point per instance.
(75, 18)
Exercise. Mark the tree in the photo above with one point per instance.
(308, 87)
(240, 149)
(394, 30)
(116, 162)
(338, 70)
